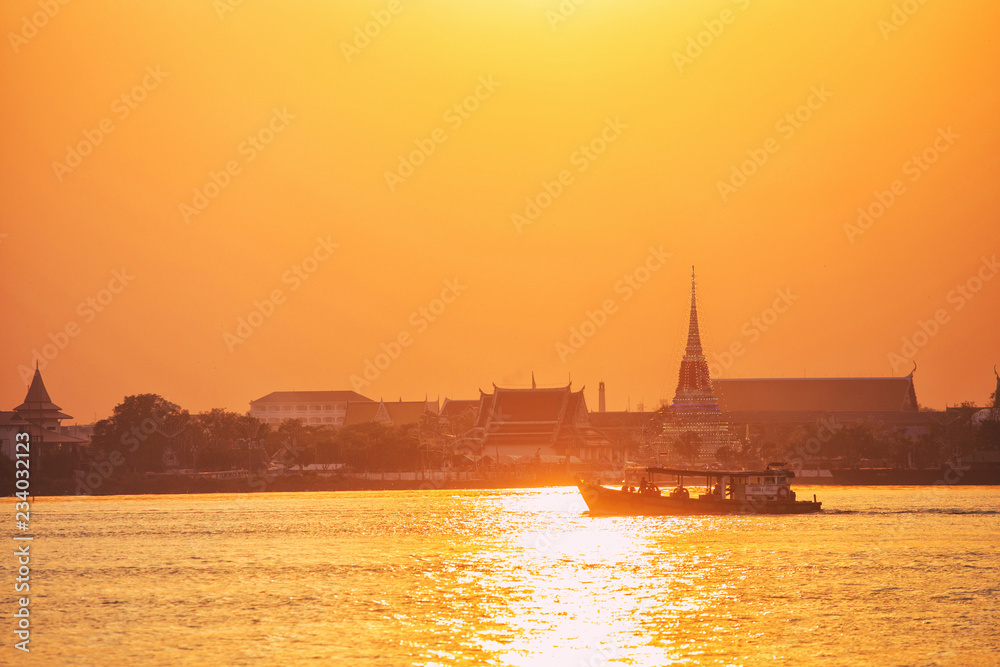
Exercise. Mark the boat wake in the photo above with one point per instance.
(927, 510)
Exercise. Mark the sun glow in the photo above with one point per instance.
(612, 124)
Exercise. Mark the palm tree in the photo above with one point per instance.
(430, 436)
(250, 426)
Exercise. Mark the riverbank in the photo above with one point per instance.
(203, 483)
(179, 484)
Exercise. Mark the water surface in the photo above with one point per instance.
(885, 576)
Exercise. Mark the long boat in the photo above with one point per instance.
(724, 492)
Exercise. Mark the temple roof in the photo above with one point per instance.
(37, 404)
(10, 418)
(409, 412)
(396, 413)
(536, 417)
(39, 434)
(816, 394)
(453, 408)
(361, 413)
(525, 405)
(37, 394)
(52, 437)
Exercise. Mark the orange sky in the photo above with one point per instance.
(308, 118)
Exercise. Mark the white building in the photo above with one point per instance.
(316, 408)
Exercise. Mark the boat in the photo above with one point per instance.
(725, 492)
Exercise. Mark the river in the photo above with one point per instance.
(883, 576)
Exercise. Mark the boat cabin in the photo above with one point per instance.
(773, 484)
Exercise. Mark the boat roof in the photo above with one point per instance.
(718, 473)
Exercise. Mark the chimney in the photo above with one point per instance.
(600, 397)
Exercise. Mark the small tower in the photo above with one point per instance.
(601, 407)
(38, 408)
(693, 384)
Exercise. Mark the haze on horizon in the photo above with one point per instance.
(297, 133)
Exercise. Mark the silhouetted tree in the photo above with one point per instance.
(139, 427)
(218, 440)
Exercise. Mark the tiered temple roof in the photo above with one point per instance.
(39, 416)
(37, 406)
(547, 421)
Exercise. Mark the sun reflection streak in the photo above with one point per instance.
(590, 591)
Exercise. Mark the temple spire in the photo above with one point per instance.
(694, 336)
(36, 391)
(695, 407)
(693, 379)
(37, 407)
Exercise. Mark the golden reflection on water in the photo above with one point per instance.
(574, 589)
(595, 589)
(512, 577)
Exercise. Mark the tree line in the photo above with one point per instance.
(945, 437)
(147, 433)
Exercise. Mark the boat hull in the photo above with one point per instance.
(602, 500)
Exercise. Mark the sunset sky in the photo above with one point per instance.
(180, 165)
